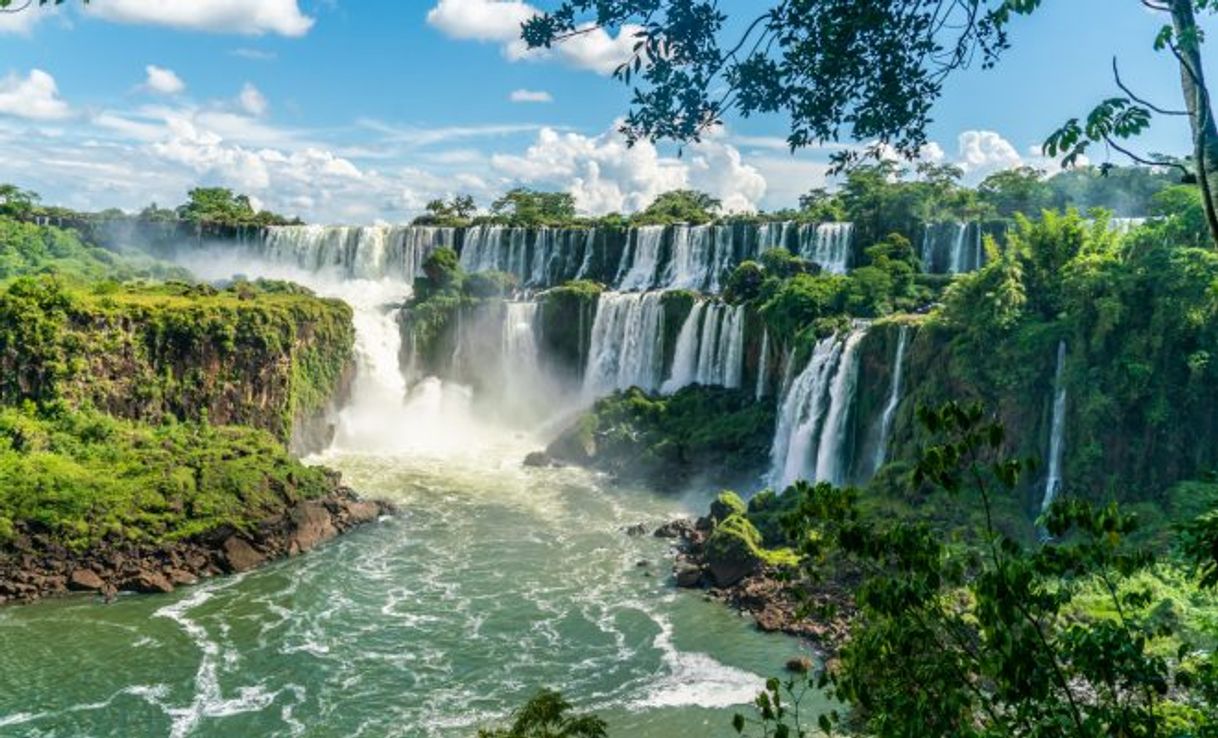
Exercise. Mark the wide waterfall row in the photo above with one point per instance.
(627, 345)
(369, 252)
(812, 438)
(952, 248)
(635, 259)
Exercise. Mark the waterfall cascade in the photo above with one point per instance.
(627, 345)
(894, 399)
(811, 440)
(952, 248)
(710, 348)
(827, 244)
(763, 365)
(372, 252)
(1057, 447)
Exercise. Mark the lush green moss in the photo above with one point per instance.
(735, 538)
(79, 476)
(566, 317)
(262, 354)
(725, 504)
(715, 435)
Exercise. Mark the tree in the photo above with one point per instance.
(862, 70)
(454, 212)
(16, 202)
(528, 207)
(547, 715)
(680, 206)
(1018, 190)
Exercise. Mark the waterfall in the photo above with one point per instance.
(627, 345)
(1123, 226)
(952, 248)
(710, 348)
(894, 399)
(589, 245)
(763, 365)
(827, 244)
(373, 252)
(519, 342)
(1057, 448)
(685, 357)
(641, 258)
(810, 441)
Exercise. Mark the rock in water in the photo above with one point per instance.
(688, 575)
(85, 580)
(312, 525)
(538, 460)
(239, 555)
(799, 665)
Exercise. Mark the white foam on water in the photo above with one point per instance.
(696, 679)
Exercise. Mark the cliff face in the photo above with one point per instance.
(270, 356)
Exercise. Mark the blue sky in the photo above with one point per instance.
(357, 112)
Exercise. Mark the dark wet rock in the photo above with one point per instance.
(799, 665)
(313, 524)
(636, 530)
(688, 576)
(539, 460)
(150, 582)
(680, 528)
(181, 578)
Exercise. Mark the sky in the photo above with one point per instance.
(359, 112)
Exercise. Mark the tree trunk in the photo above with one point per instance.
(1200, 112)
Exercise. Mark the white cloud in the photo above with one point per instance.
(35, 96)
(253, 54)
(481, 20)
(163, 81)
(605, 175)
(530, 96)
(252, 101)
(23, 22)
(984, 152)
(500, 20)
(252, 17)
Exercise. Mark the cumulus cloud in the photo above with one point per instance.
(23, 22)
(35, 96)
(499, 21)
(605, 175)
(982, 153)
(251, 17)
(163, 81)
(252, 100)
(530, 96)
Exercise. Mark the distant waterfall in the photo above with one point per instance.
(627, 344)
(640, 259)
(894, 399)
(1057, 444)
(763, 365)
(372, 252)
(710, 348)
(827, 244)
(810, 441)
(520, 353)
(1123, 226)
(952, 248)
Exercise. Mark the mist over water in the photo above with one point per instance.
(493, 581)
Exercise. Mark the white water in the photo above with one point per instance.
(710, 348)
(894, 399)
(810, 439)
(627, 347)
(952, 248)
(763, 365)
(369, 252)
(827, 244)
(640, 259)
(1057, 447)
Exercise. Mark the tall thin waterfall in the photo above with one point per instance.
(627, 344)
(372, 252)
(520, 354)
(1057, 444)
(827, 244)
(710, 348)
(641, 259)
(894, 399)
(810, 441)
(763, 365)
(952, 248)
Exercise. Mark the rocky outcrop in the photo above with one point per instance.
(817, 611)
(31, 568)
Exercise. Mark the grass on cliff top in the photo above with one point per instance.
(81, 477)
(27, 249)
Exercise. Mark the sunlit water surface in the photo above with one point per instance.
(493, 581)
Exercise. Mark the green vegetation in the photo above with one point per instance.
(81, 477)
(29, 249)
(735, 538)
(712, 434)
(679, 206)
(547, 715)
(218, 205)
(265, 354)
